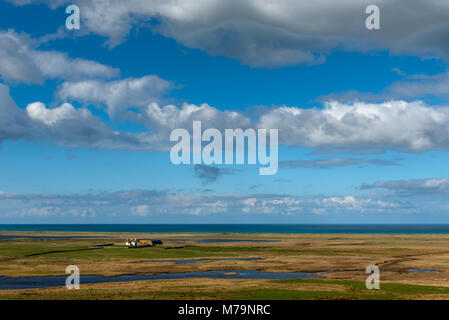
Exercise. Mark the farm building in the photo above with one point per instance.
(137, 242)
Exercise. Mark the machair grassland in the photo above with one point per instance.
(343, 257)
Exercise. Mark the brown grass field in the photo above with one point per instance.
(343, 257)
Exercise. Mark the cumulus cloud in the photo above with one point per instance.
(161, 120)
(15, 64)
(171, 117)
(271, 34)
(331, 163)
(362, 127)
(78, 127)
(336, 127)
(354, 127)
(139, 100)
(117, 95)
(64, 125)
(22, 61)
(38, 112)
(357, 127)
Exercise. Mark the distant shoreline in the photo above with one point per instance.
(236, 228)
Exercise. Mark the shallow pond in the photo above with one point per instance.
(217, 240)
(423, 270)
(7, 283)
(233, 240)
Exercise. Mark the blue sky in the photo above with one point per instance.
(86, 115)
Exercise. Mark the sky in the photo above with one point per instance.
(86, 114)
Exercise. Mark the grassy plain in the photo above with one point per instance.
(343, 258)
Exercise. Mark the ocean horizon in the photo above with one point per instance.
(238, 228)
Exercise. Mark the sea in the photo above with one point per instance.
(238, 228)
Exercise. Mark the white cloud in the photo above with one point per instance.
(140, 211)
(361, 127)
(38, 112)
(21, 61)
(337, 127)
(356, 127)
(64, 125)
(348, 200)
(250, 202)
(147, 203)
(350, 203)
(58, 65)
(82, 213)
(75, 128)
(170, 117)
(117, 95)
(15, 63)
(272, 205)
